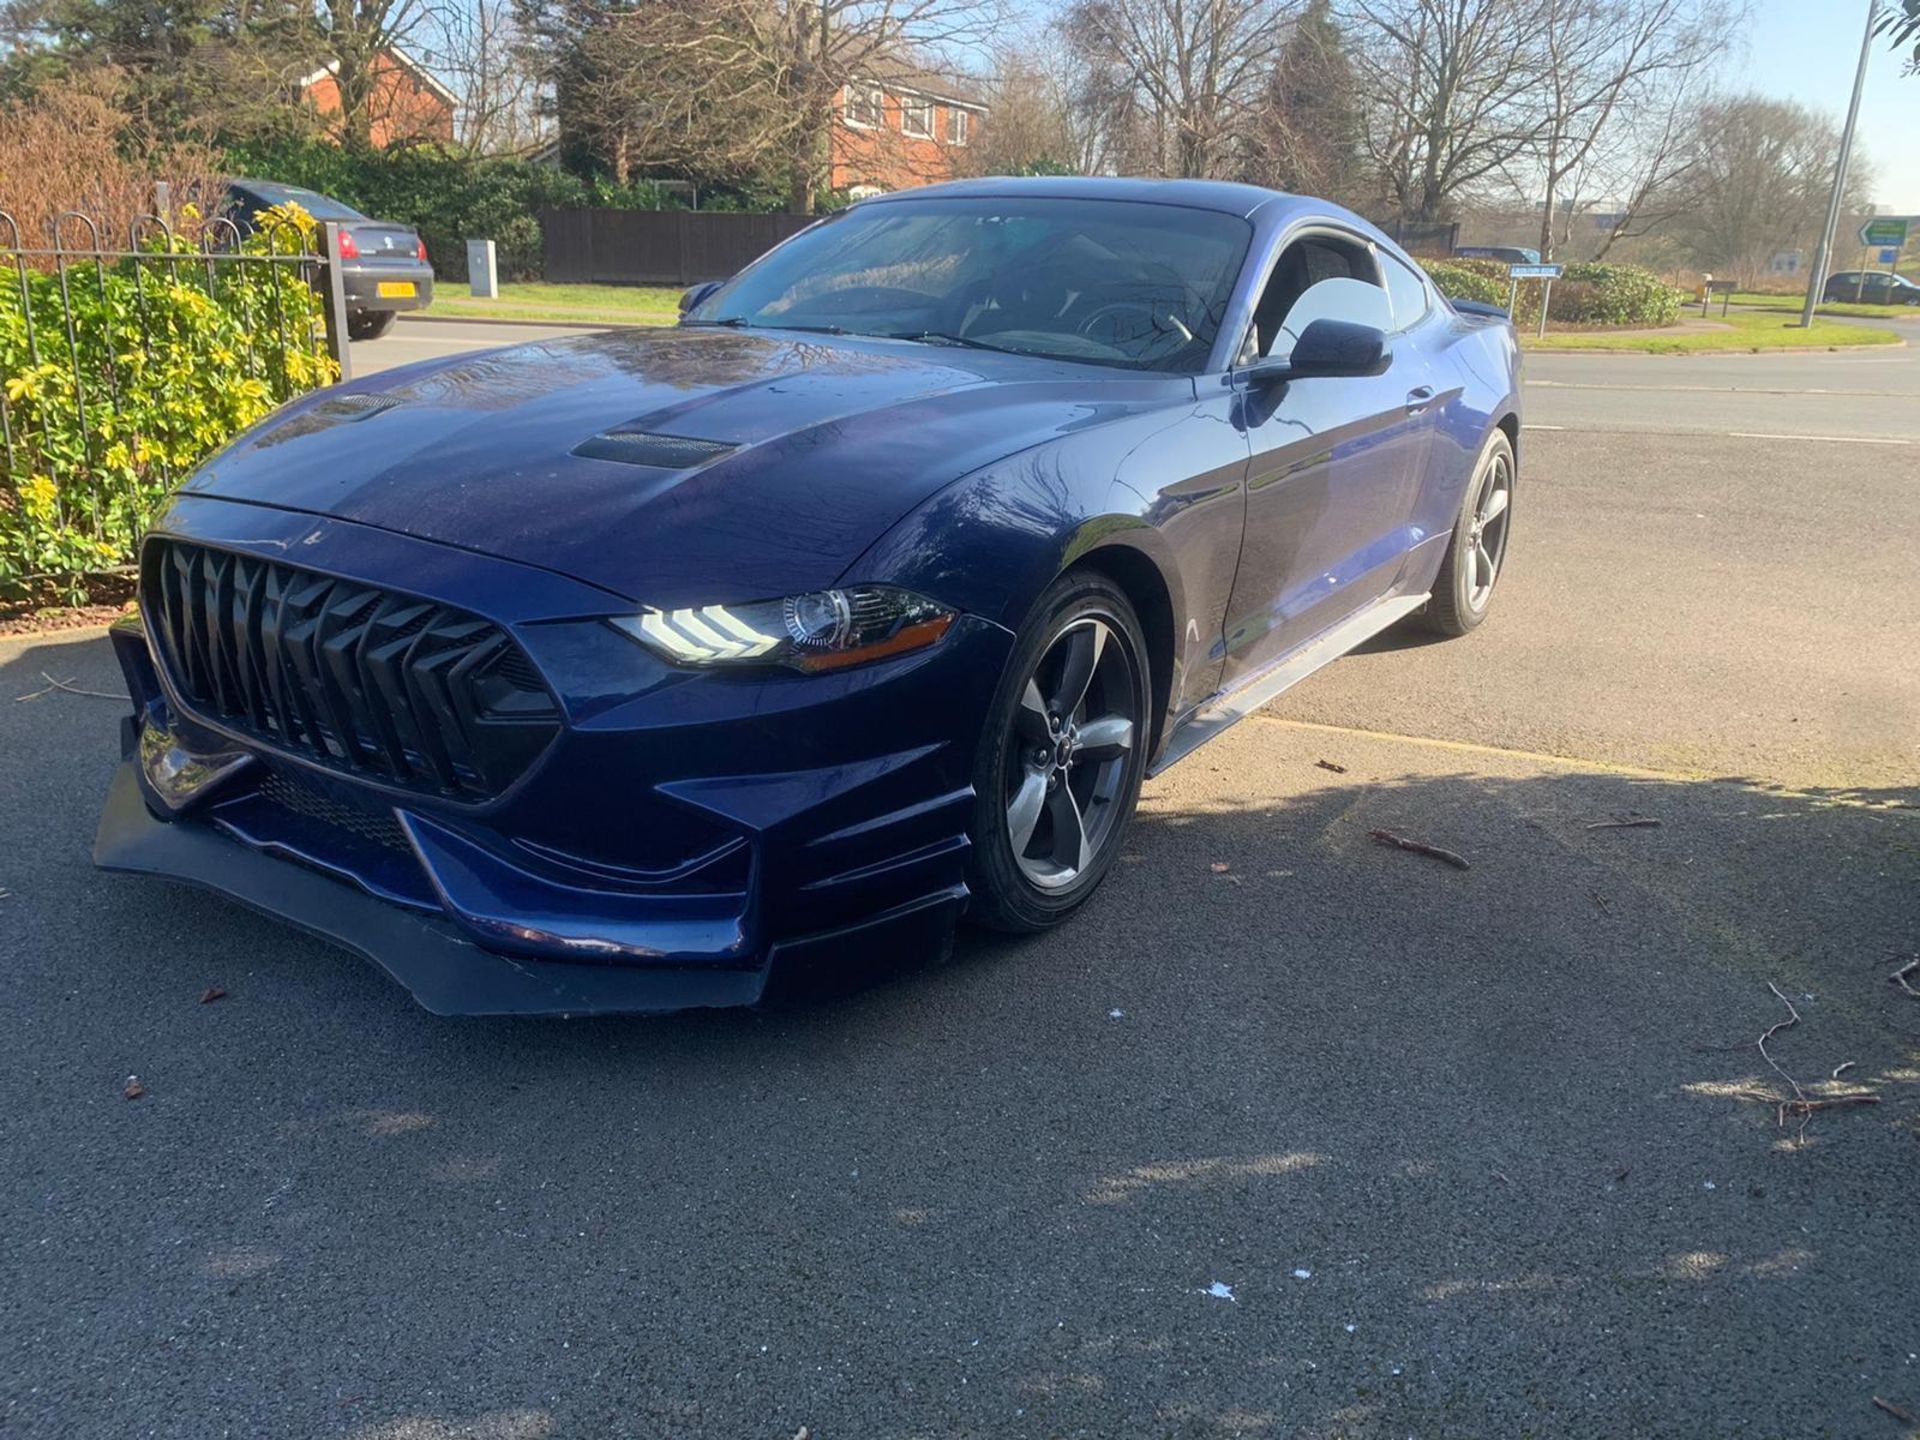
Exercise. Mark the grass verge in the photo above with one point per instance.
(1747, 330)
(1790, 305)
(566, 304)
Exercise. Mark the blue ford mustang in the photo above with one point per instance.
(661, 669)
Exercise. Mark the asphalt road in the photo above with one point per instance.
(1475, 1153)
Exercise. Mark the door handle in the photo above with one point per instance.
(1418, 400)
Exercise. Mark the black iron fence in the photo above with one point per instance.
(122, 368)
(657, 247)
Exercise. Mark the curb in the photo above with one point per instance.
(416, 316)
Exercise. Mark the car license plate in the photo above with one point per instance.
(396, 289)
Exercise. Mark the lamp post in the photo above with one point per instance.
(1817, 279)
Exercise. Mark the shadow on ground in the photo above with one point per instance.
(1481, 1152)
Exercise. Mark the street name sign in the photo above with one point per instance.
(1534, 272)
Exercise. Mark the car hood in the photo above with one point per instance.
(678, 466)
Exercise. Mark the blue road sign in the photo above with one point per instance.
(1533, 272)
(1888, 257)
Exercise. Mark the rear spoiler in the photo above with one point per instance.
(1480, 307)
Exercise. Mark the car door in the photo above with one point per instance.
(1334, 462)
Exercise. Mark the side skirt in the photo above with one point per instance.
(1283, 674)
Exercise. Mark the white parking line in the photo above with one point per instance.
(1722, 434)
(1828, 439)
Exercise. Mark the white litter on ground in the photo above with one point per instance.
(1116, 1014)
(1303, 1274)
(1220, 1292)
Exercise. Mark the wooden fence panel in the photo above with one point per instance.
(657, 247)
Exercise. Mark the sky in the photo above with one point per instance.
(1806, 50)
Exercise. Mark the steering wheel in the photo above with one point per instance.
(1151, 322)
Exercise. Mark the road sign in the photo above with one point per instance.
(1534, 272)
(1889, 257)
(1884, 230)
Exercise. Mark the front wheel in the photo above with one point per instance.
(1463, 590)
(1060, 762)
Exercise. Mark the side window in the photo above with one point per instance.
(1320, 278)
(1407, 292)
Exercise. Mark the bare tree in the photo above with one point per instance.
(1758, 184)
(1174, 83)
(1604, 60)
(1031, 125)
(1451, 89)
(353, 33)
(1642, 170)
(780, 66)
(478, 48)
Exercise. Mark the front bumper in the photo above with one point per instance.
(695, 841)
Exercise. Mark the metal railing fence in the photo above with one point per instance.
(82, 325)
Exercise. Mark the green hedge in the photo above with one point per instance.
(451, 197)
(1623, 296)
(164, 367)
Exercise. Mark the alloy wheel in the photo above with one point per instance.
(1067, 754)
(1487, 532)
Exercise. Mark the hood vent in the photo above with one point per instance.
(354, 407)
(643, 447)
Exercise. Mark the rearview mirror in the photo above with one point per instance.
(694, 294)
(1328, 348)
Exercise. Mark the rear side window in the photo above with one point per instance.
(1407, 292)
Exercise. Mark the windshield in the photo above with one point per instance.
(320, 207)
(1106, 282)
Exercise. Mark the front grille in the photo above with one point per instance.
(365, 681)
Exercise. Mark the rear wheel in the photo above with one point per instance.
(369, 324)
(1463, 590)
(1060, 763)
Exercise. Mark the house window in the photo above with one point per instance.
(916, 117)
(957, 121)
(865, 105)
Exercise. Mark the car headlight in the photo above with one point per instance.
(824, 630)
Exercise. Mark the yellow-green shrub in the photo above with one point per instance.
(171, 356)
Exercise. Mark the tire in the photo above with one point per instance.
(369, 325)
(1092, 764)
(1477, 550)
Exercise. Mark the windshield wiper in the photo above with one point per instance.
(941, 337)
(732, 322)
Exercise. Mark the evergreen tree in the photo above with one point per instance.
(1308, 132)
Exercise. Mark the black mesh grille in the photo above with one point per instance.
(362, 680)
(372, 823)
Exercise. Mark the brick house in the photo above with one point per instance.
(408, 102)
(902, 127)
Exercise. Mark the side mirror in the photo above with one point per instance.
(1328, 348)
(693, 295)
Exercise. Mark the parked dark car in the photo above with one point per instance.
(1505, 254)
(383, 265)
(1875, 287)
(664, 668)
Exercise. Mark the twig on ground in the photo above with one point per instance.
(1601, 901)
(1793, 1019)
(1637, 822)
(1905, 1417)
(69, 687)
(1842, 1068)
(1418, 847)
(1899, 977)
(1329, 765)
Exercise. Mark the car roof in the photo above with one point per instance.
(1228, 197)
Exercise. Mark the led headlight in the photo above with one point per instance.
(825, 630)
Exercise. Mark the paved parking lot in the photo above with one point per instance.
(1482, 1153)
